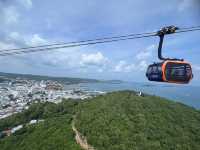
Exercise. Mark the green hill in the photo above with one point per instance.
(54, 133)
(123, 121)
(115, 121)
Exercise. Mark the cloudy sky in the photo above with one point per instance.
(36, 22)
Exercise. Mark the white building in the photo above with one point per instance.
(13, 130)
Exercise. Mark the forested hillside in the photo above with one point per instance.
(123, 121)
(115, 121)
(53, 133)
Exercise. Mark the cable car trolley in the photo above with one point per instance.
(169, 70)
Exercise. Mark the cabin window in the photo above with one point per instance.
(178, 72)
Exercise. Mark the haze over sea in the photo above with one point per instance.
(187, 94)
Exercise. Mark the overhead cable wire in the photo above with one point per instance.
(72, 45)
(77, 42)
(56, 46)
(91, 40)
(188, 30)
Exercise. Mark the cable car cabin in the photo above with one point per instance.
(170, 71)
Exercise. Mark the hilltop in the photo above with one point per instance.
(115, 121)
(124, 121)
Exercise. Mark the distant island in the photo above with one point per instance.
(65, 80)
(119, 120)
(113, 81)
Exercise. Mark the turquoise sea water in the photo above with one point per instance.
(189, 95)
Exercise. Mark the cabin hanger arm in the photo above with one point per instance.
(161, 33)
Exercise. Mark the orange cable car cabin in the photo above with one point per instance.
(169, 70)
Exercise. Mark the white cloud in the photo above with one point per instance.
(26, 3)
(6, 46)
(95, 59)
(146, 53)
(10, 15)
(61, 59)
(14, 35)
(72, 58)
(123, 66)
(143, 55)
(142, 65)
(35, 40)
(28, 40)
(119, 67)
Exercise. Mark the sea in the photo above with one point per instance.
(186, 94)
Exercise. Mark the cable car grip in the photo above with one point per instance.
(161, 33)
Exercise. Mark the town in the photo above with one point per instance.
(17, 94)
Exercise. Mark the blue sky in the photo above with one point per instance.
(28, 22)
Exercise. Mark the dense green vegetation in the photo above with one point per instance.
(54, 133)
(39, 111)
(123, 121)
(116, 121)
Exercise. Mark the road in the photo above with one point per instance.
(81, 140)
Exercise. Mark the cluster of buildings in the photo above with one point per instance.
(11, 131)
(17, 94)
